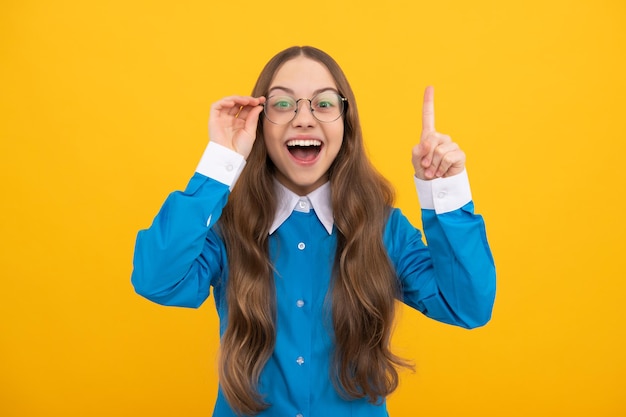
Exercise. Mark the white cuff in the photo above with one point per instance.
(444, 194)
(221, 163)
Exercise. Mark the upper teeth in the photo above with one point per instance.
(304, 142)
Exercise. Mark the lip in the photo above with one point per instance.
(304, 140)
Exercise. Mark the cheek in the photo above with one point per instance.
(336, 136)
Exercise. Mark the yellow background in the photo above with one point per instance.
(103, 111)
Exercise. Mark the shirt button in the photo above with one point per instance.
(300, 360)
(299, 415)
(441, 194)
(229, 167)
(300, 303)
(301, 245)
(302, 204)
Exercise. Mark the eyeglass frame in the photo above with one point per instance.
(343, 101)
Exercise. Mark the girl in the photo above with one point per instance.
(303, 250)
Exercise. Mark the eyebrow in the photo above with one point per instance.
(290, 91)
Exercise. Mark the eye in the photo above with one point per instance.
(282, 103)
(325, 102)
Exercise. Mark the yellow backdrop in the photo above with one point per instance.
(103, 111)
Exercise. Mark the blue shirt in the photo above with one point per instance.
(180, 257)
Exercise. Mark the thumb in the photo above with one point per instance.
(417, 159)
(422, 152)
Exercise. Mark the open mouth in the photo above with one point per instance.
(304, 150)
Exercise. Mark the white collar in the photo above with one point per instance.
(288, 201)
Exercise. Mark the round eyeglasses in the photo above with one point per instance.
(326, 107)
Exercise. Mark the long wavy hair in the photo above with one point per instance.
(364, 284)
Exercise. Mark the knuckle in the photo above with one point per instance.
(447, 160)
(440, 152)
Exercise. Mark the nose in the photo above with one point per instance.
(304, 117)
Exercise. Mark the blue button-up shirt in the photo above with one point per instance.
(180, 257)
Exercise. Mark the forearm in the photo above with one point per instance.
(179, 254)
(451, 280)
(170, 261)
(462, 263)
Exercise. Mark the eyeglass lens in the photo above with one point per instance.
(326, 106)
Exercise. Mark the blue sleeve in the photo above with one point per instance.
(451, 280)
(180, 256)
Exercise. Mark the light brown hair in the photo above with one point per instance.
(364, 284)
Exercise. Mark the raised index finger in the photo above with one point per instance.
(428, 110)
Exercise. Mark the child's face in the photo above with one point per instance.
(303, 149)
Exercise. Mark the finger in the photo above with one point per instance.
(245, 111)
(431, 142)
(440, 145)
(252, 119)
(222, 105)
(426, 148)
(424, 153)
(434, 146)
(443, 157)
(451, 164)
(228, 103)
(247, 105)
(428, 110)
(246, 100)
(456, 164)
(418, 154)
(240, 104)
(235, 111)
